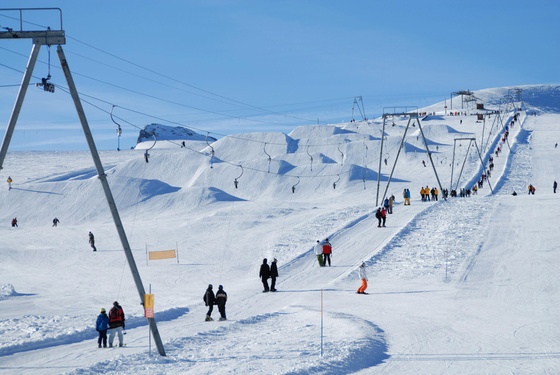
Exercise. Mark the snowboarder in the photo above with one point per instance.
(264, 274)
(327, 251)
(55, 222)
(273, 275)
(554, 186)
(92, 241)
(319, 253)
(532, 189)
(101, 326)
(209, 300)
(9, 183)
(116, 323)
(221, 298)
(14, 222)
(363, 276)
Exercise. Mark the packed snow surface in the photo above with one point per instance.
(466, 285)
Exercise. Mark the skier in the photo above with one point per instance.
(14, 222)
(363, 276)
(55, 222)
(101, 326)
(554, 186)
(92, 241)
(327, 251)
(264, 274)
(9, 183)
(116, 323)
(273, 275)
(209, 300)
(319, 253)
(221, 298)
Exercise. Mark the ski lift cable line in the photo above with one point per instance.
(180, 104)
(174, 122)
(192, 127)
(235, 164)
(186, 91)
(341, 100)
(143, 77)
(162, 119)
(181, 82)
(221, 114)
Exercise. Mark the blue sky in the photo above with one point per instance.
(224, 67)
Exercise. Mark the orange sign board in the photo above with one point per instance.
(162, 254)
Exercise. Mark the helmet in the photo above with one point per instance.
(102, 310)
(210, 286)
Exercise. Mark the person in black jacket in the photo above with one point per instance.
(221, 298)
(92, 241)
(116, 323)
(273, 275)
(210, 300)
(264, 274)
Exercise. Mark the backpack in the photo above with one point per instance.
(115, 314)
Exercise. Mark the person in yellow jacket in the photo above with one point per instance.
(9, 183)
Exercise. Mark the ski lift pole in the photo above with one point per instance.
(119, 129)
(379, 168)
(429, 154)
(396, 159)
(321, 322)
(464, 162)
(19, 101)
(452, 165)
(108, 195)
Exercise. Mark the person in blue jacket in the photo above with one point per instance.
(101, 325)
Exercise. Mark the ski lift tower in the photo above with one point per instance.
(357, 101)
(463, 93)
(50, 37)
(411, 113)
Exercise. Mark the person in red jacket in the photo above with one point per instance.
(327, 251)
(116, 323)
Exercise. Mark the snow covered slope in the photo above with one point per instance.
(462, 286)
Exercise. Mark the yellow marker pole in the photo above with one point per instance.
(149, 313)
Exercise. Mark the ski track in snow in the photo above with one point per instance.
(225, 348)
(37, 332)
